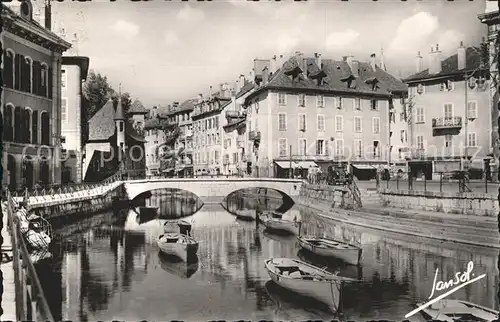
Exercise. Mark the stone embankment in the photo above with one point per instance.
(467, 229)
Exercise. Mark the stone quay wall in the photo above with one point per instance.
(325, 197)
(467, 203)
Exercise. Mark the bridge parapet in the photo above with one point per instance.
(214, 189)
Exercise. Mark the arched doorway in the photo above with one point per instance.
(11, 168)
(28, 174)
(44, 172)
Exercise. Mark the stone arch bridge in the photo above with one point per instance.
(214, 190)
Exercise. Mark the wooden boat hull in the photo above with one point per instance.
(350, 254)
(443, 309)
(287, 226)
(325, 291)
(246, 215)
(184, 250)
(38, 240)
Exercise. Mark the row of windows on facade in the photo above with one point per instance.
(209, 139)
(207, 124)
(447, 86)
(448, 140)
(21, 125)
(207, 157)
(338, 102)
(321, 123)
(27, 75)
(206, 107)
(321, 148)
(448, 111)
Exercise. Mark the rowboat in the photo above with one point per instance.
(183, 246)
(454, 310)
(177, 226)
(246, 214)
(278, 224)
(327, 247)
(269, 214)
(307, 280)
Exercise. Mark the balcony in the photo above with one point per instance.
(254, 135)
(235, 114)
(447, 123)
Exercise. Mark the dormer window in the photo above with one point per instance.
(337, 102)
(442, 87)
(472, 83)
(450, 85)
(374, 105)
(420, 89)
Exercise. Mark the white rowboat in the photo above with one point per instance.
(307, 280)
(246, 215)
(326, 247)
(179, 245)
(454, 310)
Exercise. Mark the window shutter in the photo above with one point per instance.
(49, 81)
(17, 67)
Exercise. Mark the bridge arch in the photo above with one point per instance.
(214, 190)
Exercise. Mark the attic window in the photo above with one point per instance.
(420, 89)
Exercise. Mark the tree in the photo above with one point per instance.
(97, 91)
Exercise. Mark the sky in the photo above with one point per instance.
(164, 51)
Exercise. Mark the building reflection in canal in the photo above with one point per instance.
(104, 272)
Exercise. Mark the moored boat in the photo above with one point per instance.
(307, 280)
(283, 225)
(326, 247)
(180, 245)
(269, 214)
(454, 310)
(246, 214)
(39, 234)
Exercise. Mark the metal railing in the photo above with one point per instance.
(31, 303)
(51, 195)
(446, 122)
(454, 181)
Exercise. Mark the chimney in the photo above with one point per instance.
(265, 75)
(221, 89)
(355, 68)
(461, 56)
(242, 81)
(435, 61)
(227, 90)
(251, 76)
(354, 65)
(210, 91)
(418, 63)
(48, 15)
(318, 60)
(200, 98)
(373, 62)
(273, 68)
(280, 62)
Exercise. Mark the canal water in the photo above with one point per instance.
(108, 266)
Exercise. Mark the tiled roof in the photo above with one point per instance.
(449, 66)
(186, 106)
(102, 124)
(137, 108)
(336, 75)
(245, 89)
(153, 123)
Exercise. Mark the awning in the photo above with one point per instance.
(306, 164)
(363, 166)
(286, 164)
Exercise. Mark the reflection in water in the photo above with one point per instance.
(178, 267)
(101, 271)
(172, 203)
(259, 199)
